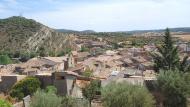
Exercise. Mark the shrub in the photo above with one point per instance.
(25, 87)
(88, 73)
(90, 91)
(126, 95)
(43, 99)
(51, 89)
(4, 103)
(174, 87)
(4, 60)
(49, 99)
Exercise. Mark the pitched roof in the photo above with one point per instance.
(34, 62)
(127, 60)
(83, 54)
(75, 53)
(56, 59)
(82, 83)
(77, 67)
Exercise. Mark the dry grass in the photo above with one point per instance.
(185, 37)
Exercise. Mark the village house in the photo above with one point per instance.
(67, 83)
(184, 47)
(45, 64)
(136, 51)
(80, 56)
(131, 76)
(103, 65)
(150, 48)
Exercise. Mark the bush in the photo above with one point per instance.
(49, 99)
(25, 87)
(174, 87)
(126, 95)
(51, 89)
(91, 90)
(4, 103)
(43, 99)
(4, 60)
(88, 73)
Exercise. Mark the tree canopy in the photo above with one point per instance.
(91, 90)
(174, 86)
(25, 87)
(126, 95)
(4, 60)
(167, 57)
(48, 98)
(4, 103)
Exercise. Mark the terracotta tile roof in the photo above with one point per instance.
(83, 54)
(34, 62)
(77, 67)
(82, 83)
(139, 59)
(127, 60)
(75, 53)
(56, 59)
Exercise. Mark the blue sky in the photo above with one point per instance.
(101, 15)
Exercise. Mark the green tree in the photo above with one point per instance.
(48, 98)
(69, 101)
(42, 52)
(45, 99)
(174, 86)
(51, 89)
(126, 95)
(61, 53)
(91, 90)
(24, 56)
(88, 73)
(4, 103)
(84, 49)
(4, 60)
(167, 57)
(25, 87)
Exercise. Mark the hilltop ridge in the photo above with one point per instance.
(22, 34)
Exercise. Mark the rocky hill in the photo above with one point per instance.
(21, 34)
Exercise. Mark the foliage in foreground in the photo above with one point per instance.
(126, 95)
(174, 87)
(25, 87)
(4, 103)
(91, 90)
(44, 98)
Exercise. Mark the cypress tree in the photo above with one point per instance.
(167, 57)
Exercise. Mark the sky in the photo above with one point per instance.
(101, 15)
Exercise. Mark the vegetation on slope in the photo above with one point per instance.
(19, 35)
(16, 30)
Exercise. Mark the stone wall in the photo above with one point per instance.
(8, 81)
(45, 80)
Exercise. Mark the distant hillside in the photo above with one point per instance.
(74, 31)
(182, 29)
(21, 34)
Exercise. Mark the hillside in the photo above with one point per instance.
(181, 29)
(21, 34)
(75, 31)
